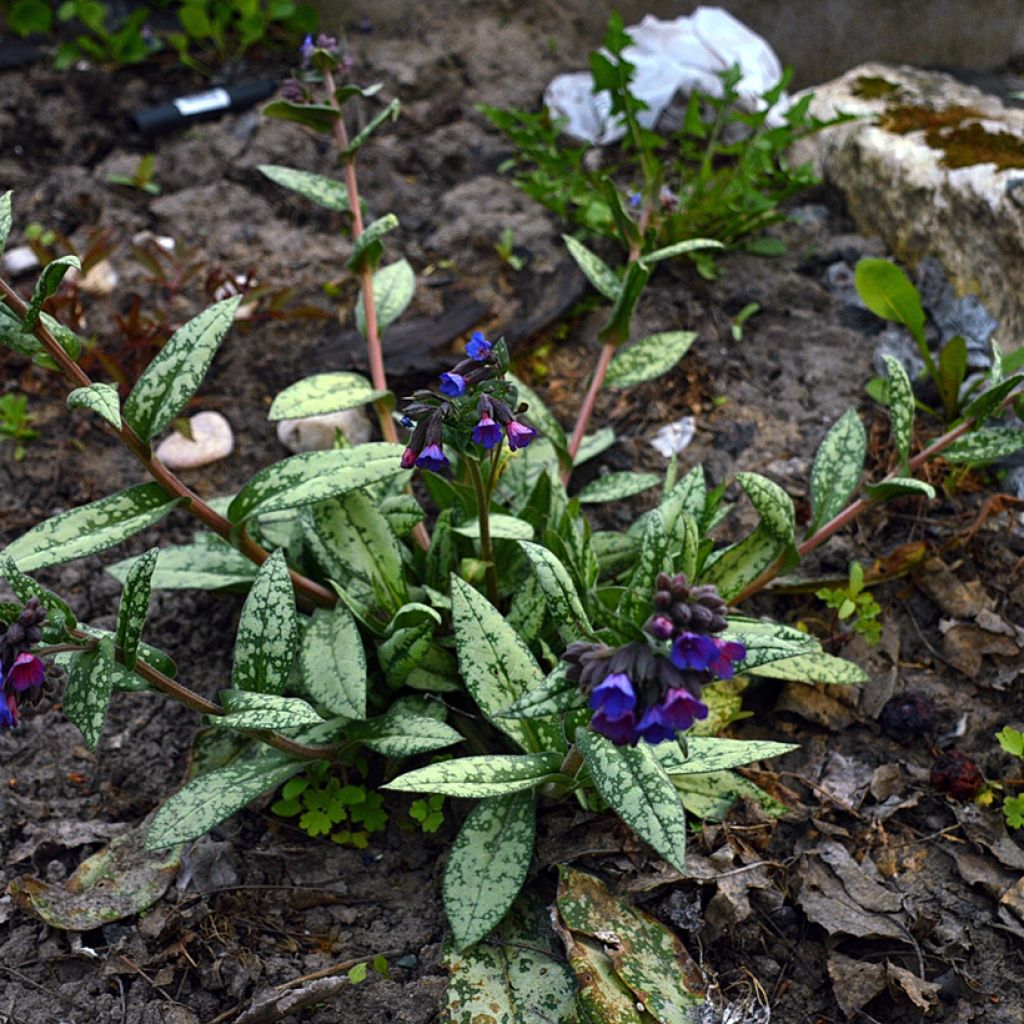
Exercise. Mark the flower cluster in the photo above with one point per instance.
(651, 690)
(472, 390)
(21, 674)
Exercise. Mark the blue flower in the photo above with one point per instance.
(694, 651)
(453, 385)
(635, 199)
(432, 458)
(479, 347)
(675, 713)
(614, 696)
(519, 434)
(8, 711)
(306, 49)
(486, 433)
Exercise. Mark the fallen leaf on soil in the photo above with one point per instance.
(920, 992)
(66, 833)
(845, 779)
(951, 594)
(818, 704)
(977, 870)
(854, 982)
(118, 881)
(988, 830)
(964, 645)
(886, 781)
(1014, 898)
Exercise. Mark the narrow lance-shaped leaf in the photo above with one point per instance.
(897, 487)
(901, 406)
(90, 682)
(321, 117)
(326, 192)
(680, 249)
(246, 710)
(368, 248)
(737, 566)
(323, 393)
(268, 632)
(393, 289)
(616, 486)
(90, 528)
(567, 610)
(773, 504)
(46, 284)
(632, 781)
(888, 293)
(5, 219)
(713, 754)
(171, 379)
(952, 370)
(986, 445)
(198, 566)
(837, 468)
(101, 398)
(649, 358)
(410, 726)
(596, 271)
(557, 693)
(488, 865)
(480, 776)
(390, 112)
(333, 662)
(616, 330)
(131, 614)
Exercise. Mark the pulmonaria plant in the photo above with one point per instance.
(22, 674)
(650, 690)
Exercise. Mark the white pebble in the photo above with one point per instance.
(212, 440)
(316, 433)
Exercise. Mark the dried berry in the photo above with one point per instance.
(908, 717)
(956, 774)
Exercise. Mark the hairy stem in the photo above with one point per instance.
(311, 592)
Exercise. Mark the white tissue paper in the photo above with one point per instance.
(681, 55)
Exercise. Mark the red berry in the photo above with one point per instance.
(956, 774)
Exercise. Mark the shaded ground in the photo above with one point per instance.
(872, 881)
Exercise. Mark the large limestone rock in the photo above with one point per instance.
(935, 168)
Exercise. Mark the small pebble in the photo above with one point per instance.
(212, 441)
(316, 433)
(19, 260)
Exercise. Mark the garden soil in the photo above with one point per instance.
(873, 899)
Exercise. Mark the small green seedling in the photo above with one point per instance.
(854, 602)
(14, 423)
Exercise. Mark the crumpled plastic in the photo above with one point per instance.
(677, 56)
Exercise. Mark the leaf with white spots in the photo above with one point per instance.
(773, 504)
(325, 192)
(203, 565)
(709, 795)
(488, 865)
(47, 283)
(268, 633)
(134, 607)
(632, 781)
(616, 486)
(838, 465)
(393, 289)
(713, 754)
(648, 359)
(734, 568)
(101, 398)
(90, 682)
(321, 394)
(173, 377)
(247, 710)
(564, 602)
(90, 528)
(480, 776)
(502, 528)
(986, 445)
(814, 667)
(898, 486)
(901, 406)
(333, 662)
(411, 726)
(596, 271)
(556, 694)
(310, 477)
(5, 218)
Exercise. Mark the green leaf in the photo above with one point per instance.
(323, 393)
(986, 445)
(502, 528)
(171, 379)
(712, 754)
(368, 248)
(649, 358)
(333, 662)
(773, 504)
(390, 112)
(615, 552)
(403, 512)
(90, 528)
(901, 406)
(321, 117)
(952, 370)
(247, 710)
(323, 191)
(538, 414)
(488, 865)
(680, 249)
(897, 487)
(521, 978)
(1011, 740)
(101, 398)
(268, 633)
(837, 468)
(616, 486)
(47, 283)
(495, 663)
(209, 799)
(764, 648)
(596, 271)
(563, 601)
(404, 650)
(554, 695)
(393, 289)
(816, 667)
(593, 444)
(316, 476)
(888, 293)
(60, 617)
(709, 796)
(632, 781)
(134, 607)
(616, 329)
(5, 219)
(199, 566)
(988, 401)
(734, 568)
(411, 726)
(482, 776)
(90, 682)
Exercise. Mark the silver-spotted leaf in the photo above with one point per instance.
(556, 694)
(986, 445)
(90, 528)
(393, 289)
(480, 776)
(326, 192)
(268, 632)
(814, 667)
(593, 444)
(564, 602)
(688, 245)
(199, 566)
(101, 399)
(368, 248)
(616, 486)
(734, 568)
(90, 683)
(649, 358)
(838, 465)
(595, 270)
(46, 284)
(773, 504)
(173, 377)
(333, 662)
(488, 865)
(897, 486)
(713, 754)
(901, 406)
(323, 393)
(502, 528)
(412, 725)
(134, 607)
(5, 218)
(245, 709)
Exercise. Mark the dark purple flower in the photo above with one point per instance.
(614, 696)
(292, 91)
(326, 42)
(619, 730)
(661, 627)
(728, 652)
(519, 435)
(675, 713)
(486, 433)
(694, 651)
(432, 458)
(8, 711)
(409, 457)
(27, 670)
(453, 385)
(479, 347)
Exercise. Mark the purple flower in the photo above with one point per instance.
(306, 49)
(675, 713)
(432, 458)
(614, 696)
(27, 670)
(519, 434)
(635, 199)
(486, 433)
(453, 385)
(409, 457)
(407, 421)
(619, 730)
(479, 347)
(728, 652)
(661, 627)
(8, 711)
(694, 651)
